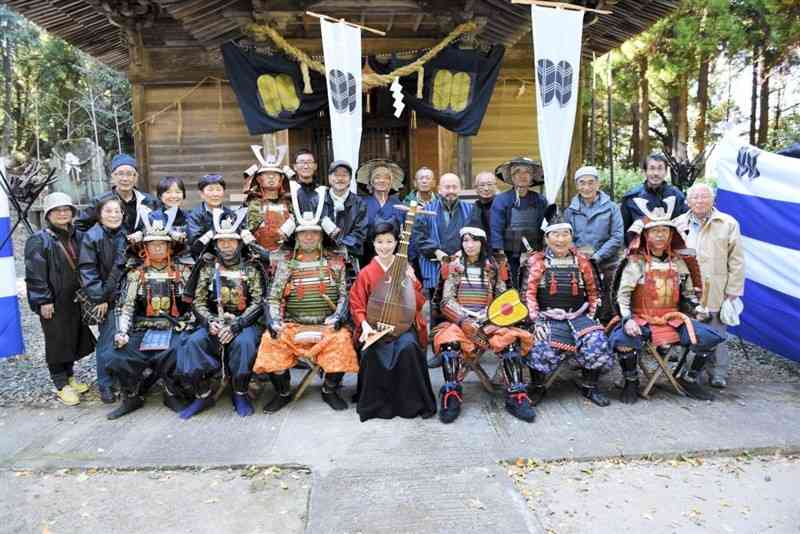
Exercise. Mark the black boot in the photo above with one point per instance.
(283, 392)
(450, 400)
(128, 403)
(630, 390)
(689, 380)
(107, 394)
(173, 402)
(536, 387)
(519, 405)
(148, 382)
(589, 387)
(330, 391)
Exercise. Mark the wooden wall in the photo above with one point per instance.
(203, 137)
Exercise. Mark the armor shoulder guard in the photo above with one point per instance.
(185, 260)
(335, 261)
(536, 258)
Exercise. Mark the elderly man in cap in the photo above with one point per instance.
(124, 176)
(717, 241)
(654, 193)
(597, 225)
(307, 305)
(516, 214)
(486, 188)
(344, 218)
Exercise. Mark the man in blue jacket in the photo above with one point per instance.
(518, 213)
(655, 191)
(597, 228)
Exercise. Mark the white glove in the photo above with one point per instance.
(701, 313)
(206, 237)
(329, 226)
(247, 236)
(288, 227)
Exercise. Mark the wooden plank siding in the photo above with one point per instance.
(211, 140)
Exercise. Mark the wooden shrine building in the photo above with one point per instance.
(189, 120)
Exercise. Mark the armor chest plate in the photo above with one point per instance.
(562, 285)
(474, 291)
(313, 292)
(232, 290)
(658, 291)
(157, 293)
(268, 234)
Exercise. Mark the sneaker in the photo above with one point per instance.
(69, 396)
(77, 386)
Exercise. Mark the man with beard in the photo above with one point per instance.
(151, 319)
(655, 282)
(654, 193)
(124, 176)
(228, 305)
(307, 304)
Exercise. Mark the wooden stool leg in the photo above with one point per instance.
(309, 376)
(552, 378)
(483, 377)
(664, 367)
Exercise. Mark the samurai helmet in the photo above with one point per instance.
(228, 227)
(158, 229)
(308, 222)
(271, 162)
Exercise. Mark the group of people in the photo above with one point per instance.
(214, 296)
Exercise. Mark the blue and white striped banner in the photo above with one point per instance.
(762, 191)
(11, 343)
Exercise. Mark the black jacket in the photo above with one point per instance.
(482, 216)
(102, 263)
(199, 221)
(44, 266)
(352, 223)
(89, 215)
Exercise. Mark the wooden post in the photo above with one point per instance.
(140, 141)
(464, 158)
(610, 131)
(448, 151)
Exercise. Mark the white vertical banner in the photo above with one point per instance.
(341, 44)
(557, 51)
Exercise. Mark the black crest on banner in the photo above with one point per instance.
(747, 163)
(342, 86)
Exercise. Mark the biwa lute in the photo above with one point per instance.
(392, 306)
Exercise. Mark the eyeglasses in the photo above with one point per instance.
(125, 174)
(305, 163)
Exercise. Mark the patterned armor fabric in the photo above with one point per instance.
(306, 292)
(264, 219)
(564, 283)
(567, 284)
(465, 290)
(148, 293)
(241, 291)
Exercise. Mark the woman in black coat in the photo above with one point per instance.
(101, 266)
(51, 277)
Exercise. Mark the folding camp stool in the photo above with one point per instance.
(313, 368)
(475, 366)
(662, 368)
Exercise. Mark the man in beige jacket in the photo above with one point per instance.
(716, 238)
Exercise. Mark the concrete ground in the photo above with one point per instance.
(417, 475)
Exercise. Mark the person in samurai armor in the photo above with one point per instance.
(307, 304)
(228, 306)
(657, 280)
(151, 319)
(269, 213)
(472, 281)
(563, 298)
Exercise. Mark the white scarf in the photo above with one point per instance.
(338, 202)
